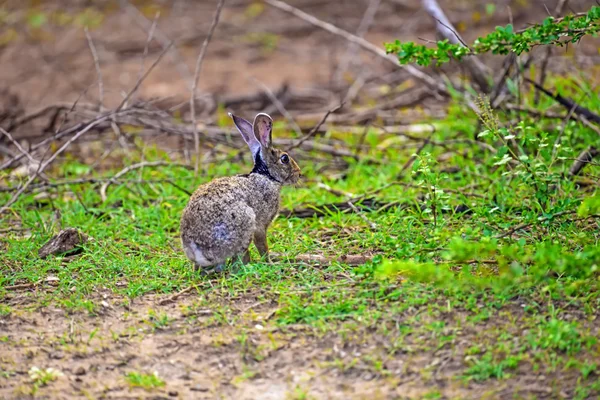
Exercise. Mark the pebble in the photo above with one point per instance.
(199, 388)
(80, 371)
(173, 393)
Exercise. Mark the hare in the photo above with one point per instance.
(223, 216)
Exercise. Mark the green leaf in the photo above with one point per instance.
(37, 20)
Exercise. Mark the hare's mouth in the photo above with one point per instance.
(293, 178)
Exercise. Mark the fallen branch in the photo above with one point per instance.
(528, 224)
(174, 297)
(23, 286)
(318, 259)
(584, 158)
(567, 103)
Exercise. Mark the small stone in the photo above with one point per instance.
(80, 371)
(68, 241)
(199, 388)
(173, 393)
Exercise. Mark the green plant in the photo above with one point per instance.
(42, 377)
(503, 40)
(143, 380)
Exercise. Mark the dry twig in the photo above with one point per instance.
(97, 66)
(445, 28)
(315, 129)
(199, 61)
(420, 75)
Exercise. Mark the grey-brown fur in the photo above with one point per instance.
(225, 215)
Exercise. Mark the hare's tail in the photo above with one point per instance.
(194, 253)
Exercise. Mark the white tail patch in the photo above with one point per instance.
(195, 254)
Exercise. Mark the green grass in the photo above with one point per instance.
(144, 381)
(433, 273)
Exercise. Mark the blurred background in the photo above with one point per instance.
(46, 58)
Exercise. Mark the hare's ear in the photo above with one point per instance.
(263, 127)
(245, 129)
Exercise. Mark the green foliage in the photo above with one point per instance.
(143, 380)
(42, 377)
(503, 40)
(590, 206)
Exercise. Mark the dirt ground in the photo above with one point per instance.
(201, 356)
(198, 356)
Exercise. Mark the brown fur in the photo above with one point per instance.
(225, 215)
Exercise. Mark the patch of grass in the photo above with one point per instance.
(143, 380)
(486, 367)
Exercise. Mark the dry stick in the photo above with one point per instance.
(544, 64)
(567, 103)
(175, 296)
(412, 158)
(140, 80)
(562, 130)
(445, 28)
(361, 215)
(280, 107)
(57, 135)
(315, 129)
(18, 146)
(587, 123)
(364, 26)
(126, 170)
(23, 286)
(528, 224)
(359, 41)
(97, 66)
(147, 45)
(201, 56)
(97, 181)
(52, 158)
(164, 41)
(584, 158)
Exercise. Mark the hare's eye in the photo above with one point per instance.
(285, 159)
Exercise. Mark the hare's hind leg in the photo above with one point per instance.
(260, 241)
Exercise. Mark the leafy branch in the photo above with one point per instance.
(503, 40)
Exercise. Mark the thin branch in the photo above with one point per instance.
(43, 166)
(584, 158)
(420, 75)
(363, 27)
(280, 107)
(567, 103)
(315, 129)
(164, 41)
(199, 61)
(126, 170)
(528, 224)
(445, 28)
(143, 77)
(97, 66)
(18, 146)
(147, 45)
